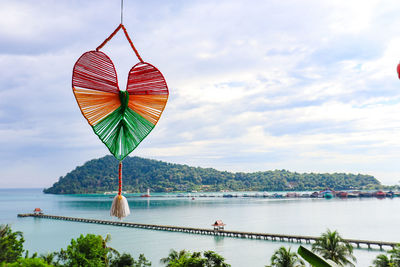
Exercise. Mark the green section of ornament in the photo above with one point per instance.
(124, 98)
(122, 130)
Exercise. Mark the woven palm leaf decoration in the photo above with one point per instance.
(121, 119)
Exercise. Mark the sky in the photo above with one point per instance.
(306, 86)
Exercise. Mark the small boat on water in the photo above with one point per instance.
(328, 194)
(342, 194)
(147, 194)
(380, 194)
(292, 195)
(366, 194)
(353, 194)
(390, 194)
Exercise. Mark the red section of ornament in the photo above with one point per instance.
(145, 79)
(94, 70)
(398, 70)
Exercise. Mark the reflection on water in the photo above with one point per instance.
(219, 241)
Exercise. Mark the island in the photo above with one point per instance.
(139, 174)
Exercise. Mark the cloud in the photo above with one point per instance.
(298, 85)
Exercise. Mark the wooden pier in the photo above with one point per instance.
(203, 231)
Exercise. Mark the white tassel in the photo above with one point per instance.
(120, 207)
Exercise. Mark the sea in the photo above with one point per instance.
(356, 218)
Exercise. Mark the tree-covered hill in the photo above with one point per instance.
(101, 175)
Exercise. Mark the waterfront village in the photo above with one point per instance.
(327, 194)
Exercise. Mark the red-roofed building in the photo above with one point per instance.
(37, 211)
(218, 225)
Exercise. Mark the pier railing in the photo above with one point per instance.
(203, 231)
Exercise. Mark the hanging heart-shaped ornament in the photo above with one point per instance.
(121, 119)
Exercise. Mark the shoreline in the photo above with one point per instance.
(327, 194)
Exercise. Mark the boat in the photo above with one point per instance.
(147, 194)
(342, 194)
(292, 195)
(327, 193)
(366, 194)
(353, 194)
(380, 194)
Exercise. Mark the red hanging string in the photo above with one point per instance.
(109, 38)
(130, 42)
(120, 178)
(127, 37)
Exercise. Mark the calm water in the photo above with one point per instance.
(373, 219)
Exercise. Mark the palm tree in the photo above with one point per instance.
(332, 246)
(5, 231)
(214, 259)
(11, 244)
(48, 258)
(395, 255)
(174, 256)
(109, 250)
(382, 261)
(285, 258)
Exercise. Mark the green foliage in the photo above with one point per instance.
(92, 250)
(395, 255)
(28, 262)
(48, 258)
(283, 257)
(331, 246)
(89, 250)
(11, 244)
(125, 260)
(383, 260)
(214, 259)
(184, 258)
(174, 256)
(100, 175)
(314, 259)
